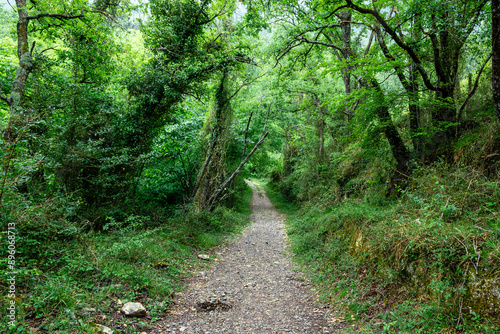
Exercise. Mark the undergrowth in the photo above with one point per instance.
(425, 262)
(78, 280)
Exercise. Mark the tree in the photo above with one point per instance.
(495, 50)
(338, 40)
(446, 31)
(37, 15)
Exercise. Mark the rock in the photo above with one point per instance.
(104, 329)
(213, 303)
(133, 310)
(483, 295)
(88, 310)
(160, 264)
(204, 257)
(119, 303)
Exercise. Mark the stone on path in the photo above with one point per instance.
(133, 310)
(204, 257)
(104, 329)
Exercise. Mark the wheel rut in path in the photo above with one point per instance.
(253, 287)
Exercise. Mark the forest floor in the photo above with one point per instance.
(253, 287)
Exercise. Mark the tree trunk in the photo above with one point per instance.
(398, 148)
(320, 126)
(413, 99)
(411, 87)
(414, 108)
(495, 51)
(345, 27)
(446, 56)
(213, 171)
(25, 67)
(321, 132)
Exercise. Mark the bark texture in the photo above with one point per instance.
(495, 74)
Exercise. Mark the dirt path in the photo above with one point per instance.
(252, 289)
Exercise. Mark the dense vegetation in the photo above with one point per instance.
(127, 131)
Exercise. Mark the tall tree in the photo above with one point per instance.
(37, 14)
(495, 51)
(446, 31)
(338, 39)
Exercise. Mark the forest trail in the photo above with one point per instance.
(252, 289)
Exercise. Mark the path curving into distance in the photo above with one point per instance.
(251, 289)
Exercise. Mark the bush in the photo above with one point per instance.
(438, 243)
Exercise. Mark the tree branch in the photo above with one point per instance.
(397, 40)
(305, 40)
(335, 11)
(369, 45)
(472, 22)
(243, 85)
(246, 135)
(214, 199)
(473, 91)
(388, 55)
(267, 118)
(57, 16)
(47, 49)
(221, 11)
(298, 38)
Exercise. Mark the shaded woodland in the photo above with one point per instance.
(128, 130)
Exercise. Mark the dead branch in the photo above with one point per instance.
(473, 91)
(246, 135)
(215, 198)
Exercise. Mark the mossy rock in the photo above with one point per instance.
(483, 295)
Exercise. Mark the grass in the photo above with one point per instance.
(129, 261)
(420, 263)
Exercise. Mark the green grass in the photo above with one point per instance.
(128, 262)
(406, 265)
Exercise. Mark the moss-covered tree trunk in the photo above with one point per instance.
(24, 68)
(495, 50)
(213, 173)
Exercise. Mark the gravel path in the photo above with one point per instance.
(252, 288)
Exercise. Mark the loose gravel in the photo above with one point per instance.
(252, 288)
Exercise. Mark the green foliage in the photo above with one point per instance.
(438, 243)
(116, 122)
(283, 203)
(170, 173)
(99, 179)
(130, 261)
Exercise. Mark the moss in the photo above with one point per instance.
(16, 99)
(26, 59)
(419, 247)
(483, 294)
